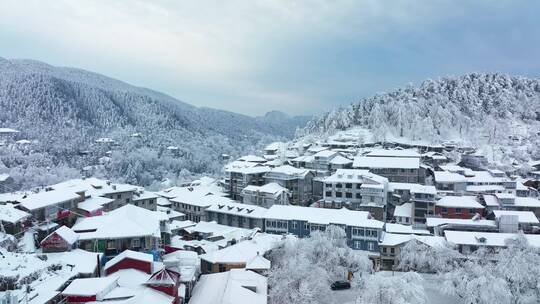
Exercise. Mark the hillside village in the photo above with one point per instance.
(90, 240)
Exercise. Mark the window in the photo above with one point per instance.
(111, 244)
(348, 195)
(458, 210)
(222, 268)
(119, 196)
(328, 185)
(384, 250)
(339, 186)
(357, 245)
(135, 243)
(358, 231)
(294, 225)
(392, 250)
(472, 211)
(328, 193)
(306, 226)
(339, 194)
(127, 200)
(444, 210)
(371, 246)
(358, 196)
(358, 186)
(406, 219)
(348, 186)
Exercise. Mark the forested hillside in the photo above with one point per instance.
(475, 109)
(63, 111)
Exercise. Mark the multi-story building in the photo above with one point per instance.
(240, 174)
(396, 169)
(298, 181)
(266, 196)
(463, 207)
(362, 231)
(358, 189)
(193, 204)
(236, 215)
(422, 197)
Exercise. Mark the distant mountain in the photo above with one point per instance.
(495, 110)
(65, 110)
(280, 120)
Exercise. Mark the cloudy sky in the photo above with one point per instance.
(253, 56)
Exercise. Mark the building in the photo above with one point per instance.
(62, 239)
(89, 289)
(391, 244)
(356, 189)
(236, 215)
(129, 259)
(234, 286)
(145, 199)
(128, 227)
(437, 225)
(241, 254)
(422, 197)
(240, 174)
(298, 181)
(52, 205)
(362, 231)
(193, 203)
(523, 220)
(467, 242)
(12, 219)
(463, 207)
(396, 169)
(450, 182)
(266, 196)
(403, 214)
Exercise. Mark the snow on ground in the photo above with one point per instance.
(432, 286)
(27, 242)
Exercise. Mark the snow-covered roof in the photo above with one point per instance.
(274, 146)
(90, 286)
(404, 210)
(239, 209)
(258, 263)
(413, 188)
(393, 153)
(249, 170)
(94, 203)
(8, 131)
(200, 199)
(213, 229)
(129, 254)
(468, 202)
(448, 177)
(10, 214)
(523, 216)
(484, 188)
(288, 170)
(325, 153)
(484, 177)
(237, 286)
(404, 229)
(491, 239)
(143, 195)
(244, 251)
(437, 221)
(270, 188)
(84, 261)
(354, 175)
(340, 160)
(490, 200)
(386, 162)
(175, 225)
(527, 202)
(164, 277)
(394, 239)
(323, 216)
(47, 198)
(252, 158)
(66, 234)
(126, 221)
(304, 158)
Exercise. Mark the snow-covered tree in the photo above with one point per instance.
(303, 269)
(404, 288)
